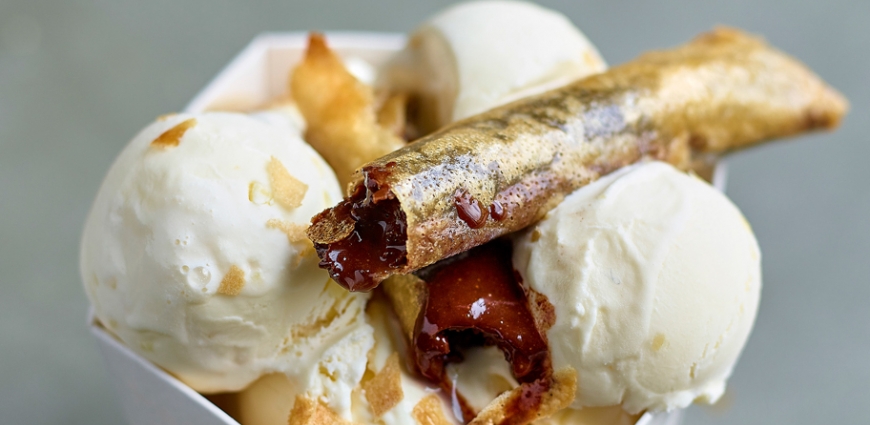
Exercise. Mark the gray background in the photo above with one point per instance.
(78, 79)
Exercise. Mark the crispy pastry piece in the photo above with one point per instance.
(502, 170)
(341, 112)
(384, 390)
(311, 412)
(429, 411)
(510, 406)
(407, 294)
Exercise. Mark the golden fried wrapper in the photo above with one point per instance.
(340, 112)
(502, 170)
(407, 294)
(508, 405)
(392, 115)
(430, 412)
(384, 390)
(307, 411)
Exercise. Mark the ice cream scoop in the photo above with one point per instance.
(194, 255)
(389, 394)
(655, 280)
(475, 56)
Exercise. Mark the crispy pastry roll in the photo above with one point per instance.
(502, 170)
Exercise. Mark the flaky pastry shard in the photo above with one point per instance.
(307, 411)
(508, 407)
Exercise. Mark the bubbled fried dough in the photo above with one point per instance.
(384, 390)
(429, 411)
(507, 408)
(307, 411)
(723, 91)
(341, 113)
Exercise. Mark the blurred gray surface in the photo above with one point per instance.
(79, 79)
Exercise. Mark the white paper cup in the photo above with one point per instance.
(149, 395)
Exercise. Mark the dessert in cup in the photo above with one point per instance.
(496, 229)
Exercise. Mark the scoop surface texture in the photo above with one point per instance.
(194, 255)
(655, 278)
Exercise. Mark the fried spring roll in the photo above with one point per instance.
(502, 170)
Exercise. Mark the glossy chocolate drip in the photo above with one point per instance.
(375, 246)
(470, 210)
(497, 211)
(475, 299)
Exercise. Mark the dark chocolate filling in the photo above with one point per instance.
(475, 299)
(375, 247)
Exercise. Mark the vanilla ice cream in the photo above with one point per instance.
(478, 55)
(194, 255)
(399, 399)
(655, 279)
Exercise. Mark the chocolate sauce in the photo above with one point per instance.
(375, 246)
(496, 211)
(475, 299)
(470, 210)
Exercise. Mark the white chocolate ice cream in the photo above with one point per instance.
(194, 255)
(475, 56)
(655, 278)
